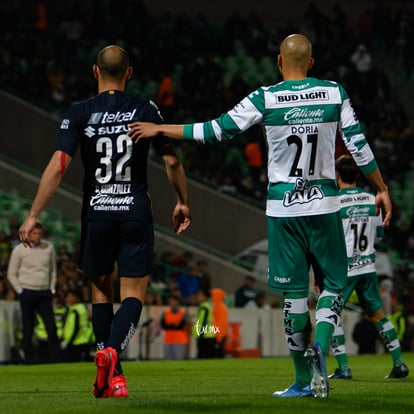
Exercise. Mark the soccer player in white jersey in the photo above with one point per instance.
(362, 228)
(301, 117)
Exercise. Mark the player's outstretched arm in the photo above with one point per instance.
(383, 202)
(138, 130)
(181, 218)
(49, 183)
(382, 198)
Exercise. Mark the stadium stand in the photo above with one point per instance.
(216, 61)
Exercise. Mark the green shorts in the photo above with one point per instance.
(367, 289)
(296, 243)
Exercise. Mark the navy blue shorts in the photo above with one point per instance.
(129, 244)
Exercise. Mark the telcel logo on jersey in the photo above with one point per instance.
(110, 118)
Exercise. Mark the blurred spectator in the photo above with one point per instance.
(165, 267)
(397, 318)
(62, 255)
(188, 284)
(171, 289)
(258, 302)
(165, 96)
(220, 320)
(153, 296)
(245, 293)
(365, 335)
(158, 274)
(69, 35)
(174, 324)
(228, 185)
(184, 260)
(254, 158)
(387, 293)
(32, 273)
(77, 330)
(14, 238)
(4, 252)
(204, 280)
(69, 270)
(75, 253)
(361, 59)
(203, 328)
(3, 289)
(59, 311)
(40, 16)
(57, 96)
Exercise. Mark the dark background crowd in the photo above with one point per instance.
(46, 58)
(212, 67)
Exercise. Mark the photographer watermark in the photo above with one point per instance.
(201, 329)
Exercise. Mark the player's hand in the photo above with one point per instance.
(181, 218)
(25, 230)
(383, 202)
(138, 130)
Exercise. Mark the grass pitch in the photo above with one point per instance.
(216, 386)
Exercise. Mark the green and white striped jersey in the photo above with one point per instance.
(362, 229)
(301, 120)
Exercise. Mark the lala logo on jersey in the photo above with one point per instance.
(358, 262)
(302, 194)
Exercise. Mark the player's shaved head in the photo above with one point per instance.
(295, 57)
(112, 61)
(296, 48)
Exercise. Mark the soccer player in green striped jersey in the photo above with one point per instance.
(362, 228)
(301, 116)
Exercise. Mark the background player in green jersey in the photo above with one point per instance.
(362, 228)
(301, 117)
